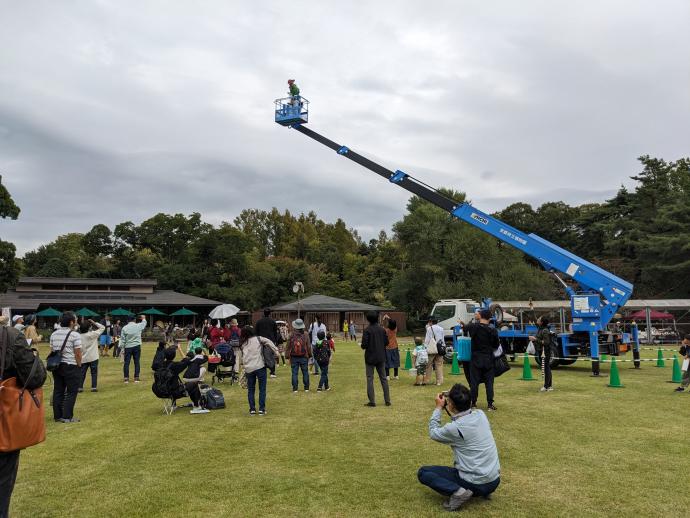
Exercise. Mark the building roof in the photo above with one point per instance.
(632, 304)
(324, 303)
(88, 281)
(27, 300)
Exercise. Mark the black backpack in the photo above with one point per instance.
(214, 399)
(322, 352)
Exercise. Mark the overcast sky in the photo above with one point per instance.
(113, 110)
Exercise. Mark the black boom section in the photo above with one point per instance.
(403, 180)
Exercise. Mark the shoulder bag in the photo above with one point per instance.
(22, 422)
(55, 357)
(267, 353)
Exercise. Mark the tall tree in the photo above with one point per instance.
(9, 264)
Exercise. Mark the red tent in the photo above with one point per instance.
(653, 315)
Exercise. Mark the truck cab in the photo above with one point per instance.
(450, 311)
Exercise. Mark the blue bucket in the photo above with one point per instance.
(463, 347)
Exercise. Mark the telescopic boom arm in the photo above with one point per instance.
(601, 293)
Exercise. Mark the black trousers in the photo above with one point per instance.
(548, 380)
(9, 464)
(482, 372)
(65, 389)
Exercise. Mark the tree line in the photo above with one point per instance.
(642, 235)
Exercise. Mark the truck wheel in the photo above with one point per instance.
(555, 353)
(497, 312)
(568, 361)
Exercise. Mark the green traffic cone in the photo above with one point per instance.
(408, 360)
(455, 369)
(614, 376)
(677, 376)
(660, 359)
(526, 370)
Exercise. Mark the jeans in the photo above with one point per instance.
(132, 352)
(381, 370)
(67, 379)
(446, 481)
(482, 372)
(9, 464)
(93, 366)
(252, 377)
(296, 364)
(323, 382)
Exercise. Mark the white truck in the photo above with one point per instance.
(451, 311)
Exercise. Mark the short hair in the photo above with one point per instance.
(418, 340)
(329, 335)
(67, 317)
(170, 353)
(161, 345)
(84, 327)
(267, 311)
(485, 314)
(214, 322)
(372, 317)
(392, 324)
(687, 337)
(198, 350)
(321, 335)
(460, 395)
(544, 321)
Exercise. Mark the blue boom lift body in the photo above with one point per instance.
(595, 294)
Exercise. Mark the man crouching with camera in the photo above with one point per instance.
(477, 470)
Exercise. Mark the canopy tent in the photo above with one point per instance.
(86, 312)
(49, 312)
(224, 311)
(121, 312)
(653, 315)
(183, 312)
(153, 311)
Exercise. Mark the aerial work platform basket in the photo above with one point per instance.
(292, 110)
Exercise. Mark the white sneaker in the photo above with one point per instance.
(273, 376)
(199, 410)
(388, 378)
(543, 389)
(550, 389)
(306, 390)
(395, 377)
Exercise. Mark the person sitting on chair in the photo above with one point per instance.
(193, 376)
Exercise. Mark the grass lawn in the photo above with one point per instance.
(582, 450)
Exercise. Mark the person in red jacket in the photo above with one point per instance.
(216, 334)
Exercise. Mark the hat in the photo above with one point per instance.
(233, 322)
(29, 319)
(15, 318)
(298, 324)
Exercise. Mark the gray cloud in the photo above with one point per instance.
(112, 112)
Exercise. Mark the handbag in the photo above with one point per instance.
(501, 365)
(269, 357)
(55, 358)
(22, 421)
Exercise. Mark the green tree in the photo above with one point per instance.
(9, 264)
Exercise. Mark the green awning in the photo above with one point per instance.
(153, 311)
(121, 312)
(86, 312)
(49, 312)
(183, 312)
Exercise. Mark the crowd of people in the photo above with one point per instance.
(309, 350)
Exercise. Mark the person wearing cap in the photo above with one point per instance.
(298, 351)
(18, 322)
(293, 91)
(30, 332)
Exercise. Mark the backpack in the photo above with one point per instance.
(298, 345)
(322, 352)
(214, 399)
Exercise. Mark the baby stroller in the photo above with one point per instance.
(226, 368)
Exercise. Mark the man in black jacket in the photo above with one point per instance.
(484, 343)
(268, 328)
(374, 342)
(16, 360)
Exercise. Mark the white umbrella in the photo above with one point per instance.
(224, 311)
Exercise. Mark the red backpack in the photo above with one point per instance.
(298, 345)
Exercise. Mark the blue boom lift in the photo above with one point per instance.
(595, 294)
